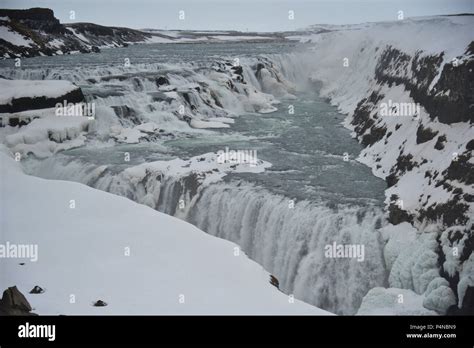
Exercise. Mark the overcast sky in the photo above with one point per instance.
(252, 15)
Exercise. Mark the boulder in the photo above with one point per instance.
(13, 302)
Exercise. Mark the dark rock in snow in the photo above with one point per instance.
(14, 302)
(440, 142)
(467, 307)
(274, 281)
(100, 303)
(391, 180)
(396, 215)
(470, 145)
(461, 169)
(405, 163)
(424, 134)
(468, 198)
(161, 81)
(374, 135)
(36, 290)
(34, 103)
(450, 213)
(458, 79)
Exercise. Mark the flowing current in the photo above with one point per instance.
(315, 194)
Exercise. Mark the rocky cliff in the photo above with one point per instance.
(36, 31)
(407, 87)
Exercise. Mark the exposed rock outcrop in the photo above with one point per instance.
(14, 302)
(36, 31)
(41, 102)
(410, 104)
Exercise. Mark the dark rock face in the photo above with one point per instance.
(127, 116)
(161, 81)
(375, 134)
(467, 307)
(99, 35)
(274, 281)
(239, 71)
(397, 216)
(391, 180)
(405, 163)
(363, 121)
(41, 27)
(457, 106)
(450, 213)
(447, 96)
(470, 145)
(424, 134)
(27, 103)
(14, 302)
(461, 169)
(458, 79)
(33, 14)
(35, 18)
(446, 93)
(440, 142)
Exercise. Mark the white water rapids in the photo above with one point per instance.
(288, 242)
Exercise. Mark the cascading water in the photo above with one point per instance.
(289, 241)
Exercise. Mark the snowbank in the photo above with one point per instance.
(380, 301)
(171, 267)
(45, 136)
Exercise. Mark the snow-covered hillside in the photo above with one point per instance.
(36, 32)
(137, 260)
(407, 87)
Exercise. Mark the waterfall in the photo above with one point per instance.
(288, 242)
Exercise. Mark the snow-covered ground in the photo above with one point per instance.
(97, 246)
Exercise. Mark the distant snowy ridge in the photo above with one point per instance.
(36, 32)
(426, 63)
